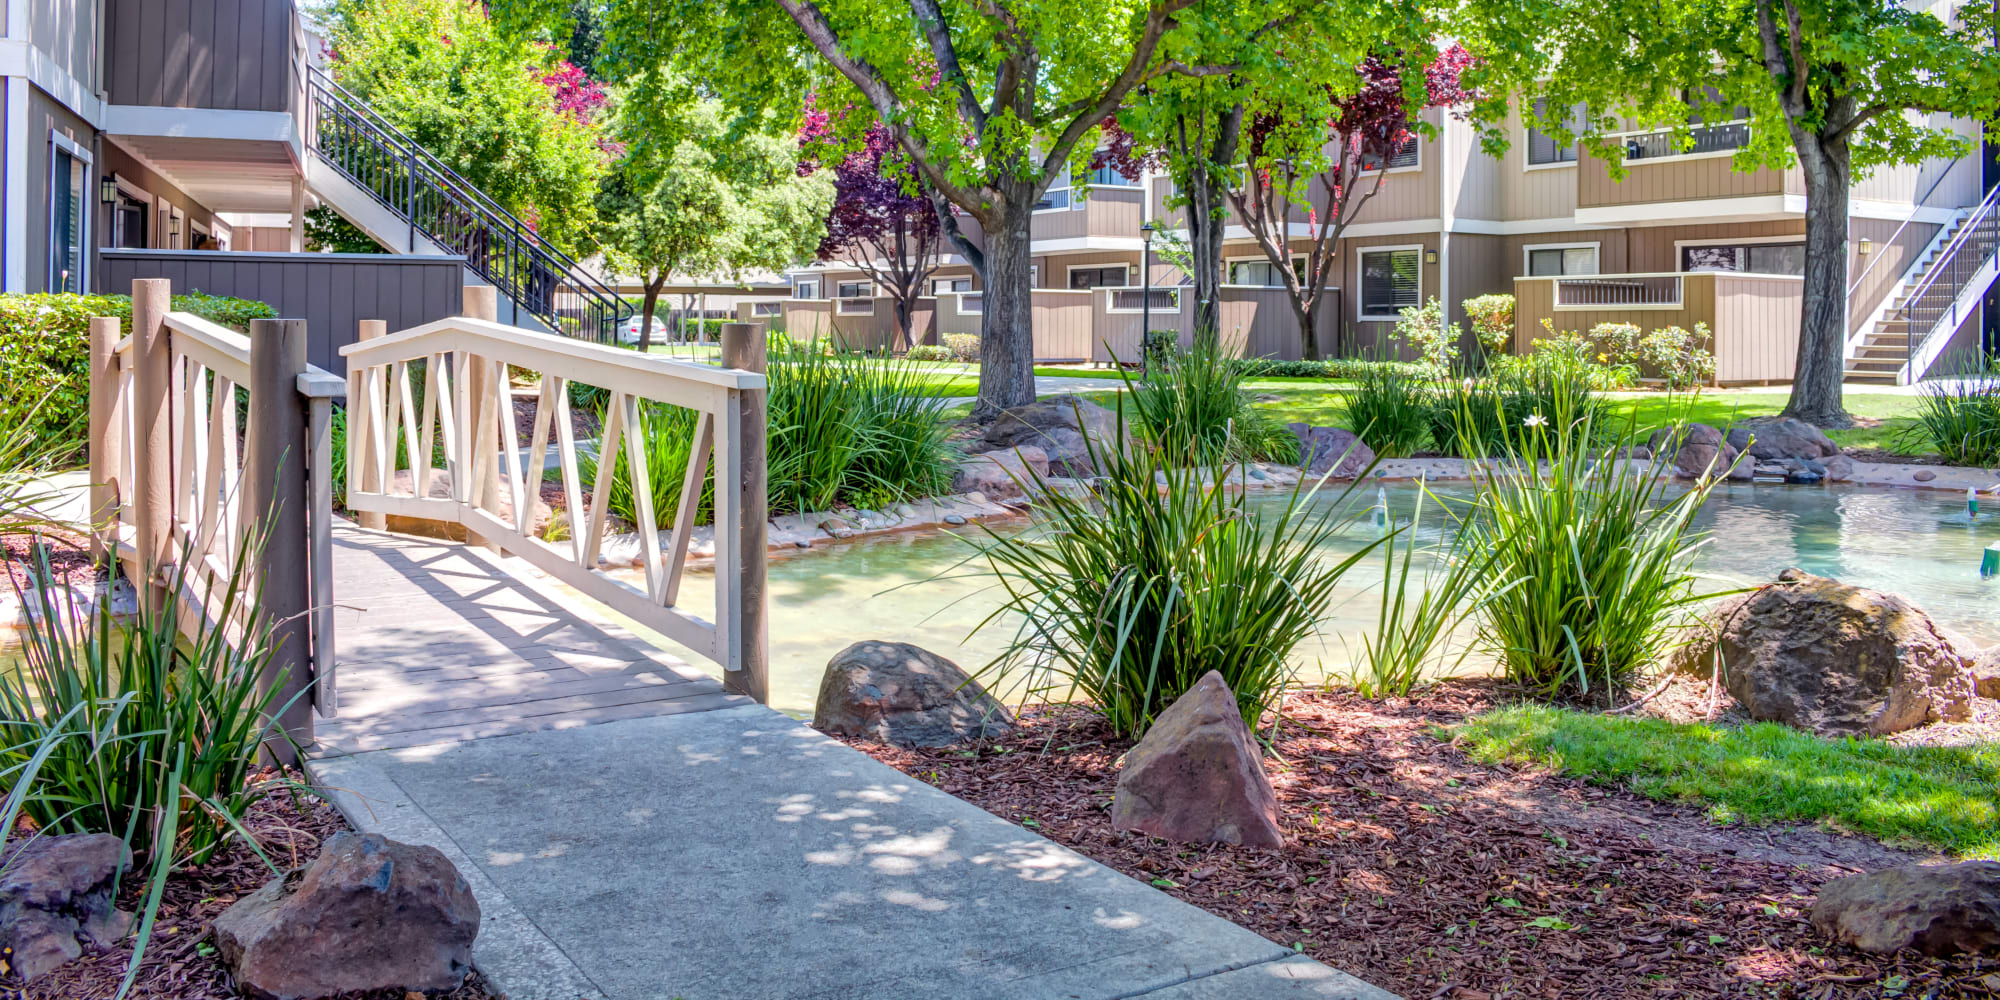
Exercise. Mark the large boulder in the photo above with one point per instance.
(1332, 449)
(56, 897)
(1834, 659)
(1986, 673)
(1699, 450)
(1197, 777)
(893, 692)
(1066, 430)
(1002, 474)
(368, 914)
(1936, 909)
(1776, 438)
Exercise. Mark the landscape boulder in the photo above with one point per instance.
(56, 897)
(893, 692)
(1936, 909)
(1332, 448)
(1699, 450)
(1002, 474)
(1986, 673)
(1066, 430)
(1834, 659)
(1196, 777)
(1775, 438)
(368, 914)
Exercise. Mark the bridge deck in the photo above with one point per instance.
(435, 646)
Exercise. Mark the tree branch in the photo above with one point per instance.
(931, 17)
(1774, 58)
(948, 224)
(1159, 21)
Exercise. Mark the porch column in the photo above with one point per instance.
(298, 215)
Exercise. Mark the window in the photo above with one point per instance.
(1391, 280)
(69, 216)
(128, 221)
(805, 288)
(1261, 273)
(1547, 261)
(1107, 176)
(1097, 277)
(765, 308)
(939, 286)
(854, 306)
(1753, 258)
(971, 303)
(1404, 156)
(854, 290)
(1057, 196)
(1542, 147)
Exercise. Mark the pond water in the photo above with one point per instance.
(917, 587)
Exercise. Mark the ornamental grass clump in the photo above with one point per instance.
(1391, 408)
(1960, 416)
(1603, 547)
(1191, 402)
(1129, 588)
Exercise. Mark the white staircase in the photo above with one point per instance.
(1913, 326)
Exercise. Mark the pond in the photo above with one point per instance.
(917, 587)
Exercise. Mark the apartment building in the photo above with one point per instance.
(1682, 239)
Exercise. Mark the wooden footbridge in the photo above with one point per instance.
(214, 458)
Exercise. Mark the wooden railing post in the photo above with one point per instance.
(744, 347)
(107, 436)
(275, 485)
(481, 463)
(152, 437)
(364, 477)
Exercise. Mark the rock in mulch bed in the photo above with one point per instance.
(182, 962)
(1433, 876)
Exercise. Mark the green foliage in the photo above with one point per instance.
(475, 98)
(328, 232)
(45, 358)
(1391, 409)
(1960, 417)
(1415, 629)
(1131, 589)
(1943, 797)
(1607, 551)
(1424, 329)
(1492, 318)
(1478, 416)
(963, 346)
(929, 352)
(1327, 368)
(169, 728)
(1678, 356)
(1191, 405)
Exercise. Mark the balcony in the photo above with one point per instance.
(1106, 212)
(1663, 175)
(1752, 318)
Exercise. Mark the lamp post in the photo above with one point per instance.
(1146, 297)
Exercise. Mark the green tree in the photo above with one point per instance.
(1834, 87)
(480, 100)
(692, 197)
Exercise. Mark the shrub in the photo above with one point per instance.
(929, 352)
(1476, 416)
(1605, 552)
(1415, 628)
(1492, 318)
(45, 355)
(1191, 405)
(1681, 358)
(963, 346)
(1425, 330)
(1391, 410)
(1129, 590)
(1960, 417)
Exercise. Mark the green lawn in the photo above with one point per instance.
(1942, 797)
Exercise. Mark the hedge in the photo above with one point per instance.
(45, 357)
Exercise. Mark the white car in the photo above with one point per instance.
(628, 331)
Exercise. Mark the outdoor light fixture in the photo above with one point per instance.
(1430, 256)
(1867, 247)
(108, 188)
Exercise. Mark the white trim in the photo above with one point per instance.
(1070, 244)
(1521, 227)
(1551, 165)
(17, 21)
(1111, 295)
(1360, 305)
(935, 278)
(256, 220)
(1129, 267)
(1257, 258)
(845, 306)
(204, 123)
(1873, 208)
(21, 60)
(958, 303)
(14, 209)
(1716, 241)
(867, 283)
(1647, 161)
(1595, 246)
(1751, 208)
(818, 283)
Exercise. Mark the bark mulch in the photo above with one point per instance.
(21, 555)
(180, 962)
(1434, 876)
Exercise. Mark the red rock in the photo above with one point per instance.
(1197, 776)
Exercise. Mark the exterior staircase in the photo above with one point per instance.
(382, 181)
(1910, 332)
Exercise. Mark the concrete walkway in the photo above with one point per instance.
(633, 834)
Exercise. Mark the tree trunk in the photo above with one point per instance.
(1816, 379)
(1307, 316)
(905, 306)
(1207, 216)
(646, 312)
(1006, 328)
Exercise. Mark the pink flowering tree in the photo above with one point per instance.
(883, 221)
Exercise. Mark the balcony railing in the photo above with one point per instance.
(1653, 144)
(1655, 291)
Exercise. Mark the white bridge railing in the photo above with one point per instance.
(466, 414)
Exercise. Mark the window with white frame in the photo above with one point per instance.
(805, 288)
(765, 308)
(1543, 148)
(971, 303)
(940, 286)
(854, 307)
(1391, 280)
(853, 289)
(1098, 277)
(1556, 261)
(1754, 258)
(1260, 272)
(1108, 176)
(1057, 196)
(69, 215)
(1405, 155)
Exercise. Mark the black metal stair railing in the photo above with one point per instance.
(1936, 297)
(437, 203)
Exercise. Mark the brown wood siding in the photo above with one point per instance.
(1678, 179)
(1052, 270)
(1893, 248)
(1062, 326)
(68, 32)
(1756, 327)
(1534, 301)
(333, 293)
(1262, 322)
(1370, 335)
(239, 55)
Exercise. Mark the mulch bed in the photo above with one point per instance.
(180, 963)
(1434, 876)
(67, 552)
